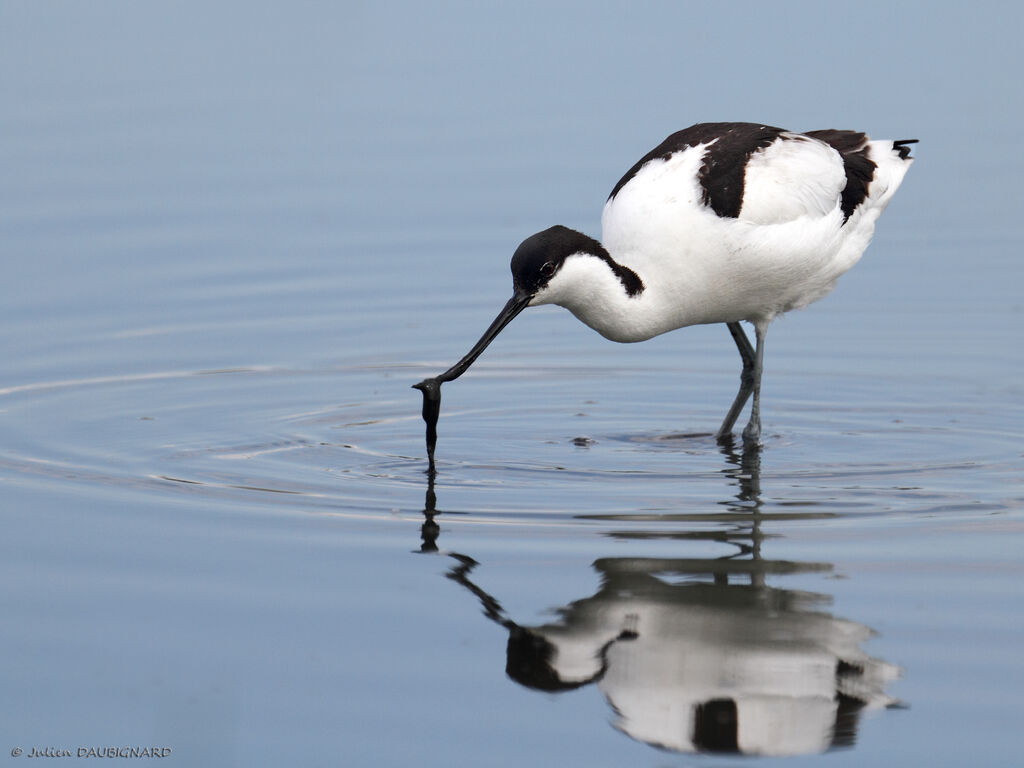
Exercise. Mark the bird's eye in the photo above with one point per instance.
(548, 269)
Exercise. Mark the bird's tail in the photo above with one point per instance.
(892, 161)
(901, 147)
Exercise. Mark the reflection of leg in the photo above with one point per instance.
(746, 379)
(743, 467)
(752, 434)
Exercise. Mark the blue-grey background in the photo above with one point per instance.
(232, 234)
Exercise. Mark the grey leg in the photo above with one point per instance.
(752, 434)
(746, 380)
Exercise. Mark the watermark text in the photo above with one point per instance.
(123, 752)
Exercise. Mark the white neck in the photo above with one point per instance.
(588, 287)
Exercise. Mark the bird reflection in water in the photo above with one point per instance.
(701, 655)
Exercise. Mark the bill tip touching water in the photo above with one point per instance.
(431, 389)
(720, 223)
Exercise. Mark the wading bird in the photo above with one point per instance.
(720, 223)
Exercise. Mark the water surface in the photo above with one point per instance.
(229, 249)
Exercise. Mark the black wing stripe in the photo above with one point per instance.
(725, 161)
(859, 168)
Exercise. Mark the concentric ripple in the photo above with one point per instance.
(350, 441)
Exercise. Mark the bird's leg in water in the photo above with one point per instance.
(752, 433)
(746, 380)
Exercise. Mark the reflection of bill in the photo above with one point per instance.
(701, 656)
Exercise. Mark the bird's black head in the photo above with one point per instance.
(539, 257)
(529, 661)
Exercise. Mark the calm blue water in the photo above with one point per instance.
(233, 236)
